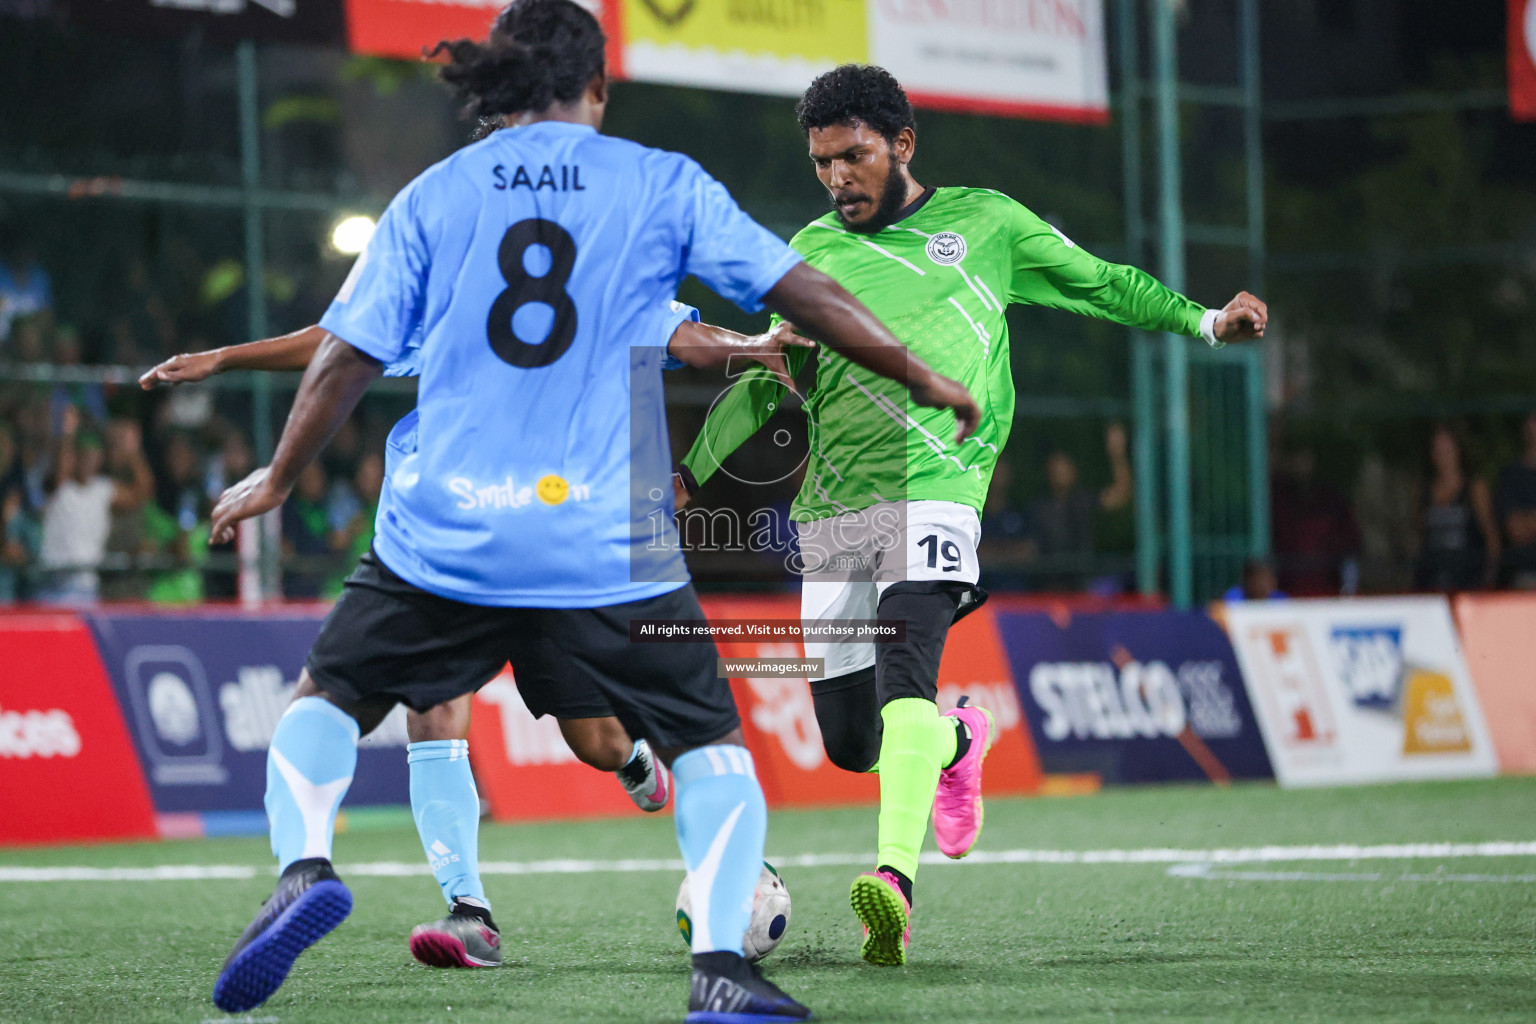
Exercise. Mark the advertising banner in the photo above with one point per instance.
(1147, 696)
(1022, 58)
(779, 719)
(67, 768)
(1361, 690)
(524, 768)
(1522, 59)
(202, 694)
(1497, 632)
(1012, 57)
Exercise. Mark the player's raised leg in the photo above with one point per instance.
(309, 767)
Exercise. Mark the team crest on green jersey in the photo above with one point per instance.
(946, 248)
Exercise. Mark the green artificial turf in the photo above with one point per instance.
(992, 942)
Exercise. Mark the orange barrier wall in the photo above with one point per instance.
(1498, 637)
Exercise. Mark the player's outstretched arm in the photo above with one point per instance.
(826, 311)
(286, 352)
(709, 347)
(330, 390)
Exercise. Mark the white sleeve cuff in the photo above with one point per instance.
(1208, 328)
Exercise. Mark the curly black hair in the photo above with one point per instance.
(856, 92)
(539, 52)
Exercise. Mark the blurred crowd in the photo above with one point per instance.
(105, 491)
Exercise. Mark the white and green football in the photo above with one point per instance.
(770, 914)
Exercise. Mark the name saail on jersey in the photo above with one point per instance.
(565, 178)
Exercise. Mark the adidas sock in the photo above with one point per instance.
(962, 743)
(446, 807)
(309, 767)
(911, 747)
(722, 823)
(902, 881)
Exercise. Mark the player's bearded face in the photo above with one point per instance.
(862, 175)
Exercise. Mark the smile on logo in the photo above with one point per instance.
(552, 489)
(946, 248)
(670, 18)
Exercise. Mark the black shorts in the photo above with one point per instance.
(389, 640)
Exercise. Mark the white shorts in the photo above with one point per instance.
(849, 560)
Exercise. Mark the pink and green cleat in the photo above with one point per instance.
(877, 900)
(957, 810)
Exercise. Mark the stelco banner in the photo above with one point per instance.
(202, 695)
(1364, 690)
(1023, 58)
(1136, 696)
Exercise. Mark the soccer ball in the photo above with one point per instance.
(770, 914)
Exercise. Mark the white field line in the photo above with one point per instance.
(1194, 860)
(1206, 872)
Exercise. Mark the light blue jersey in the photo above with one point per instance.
(537, 265)
(401, 442)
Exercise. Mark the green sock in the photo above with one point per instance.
(910, 757)
(949, 740)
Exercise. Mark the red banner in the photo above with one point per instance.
(1522, 60)
(67, 768)
(406, 28)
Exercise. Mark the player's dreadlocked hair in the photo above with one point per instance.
(539, 52)
(856, 92)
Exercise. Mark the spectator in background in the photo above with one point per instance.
(1062, 523)
(90, 398)
(306, 534)
(28, 343)
(20, 532)
(175, 524)
(1514, 502)
(1068, 525)
(1459, 540)
(355, 535)
(1259, 583)
(234, 461)
(126, 539)
(78, 516)
(1006, 545)
(1316, 539)
(25, 290)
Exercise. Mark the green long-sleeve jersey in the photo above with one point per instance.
(940, 279)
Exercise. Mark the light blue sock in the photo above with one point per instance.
(309, 767)
(446, 806)
(722, 823)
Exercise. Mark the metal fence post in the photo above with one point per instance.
(1175, 347)
(256, 283)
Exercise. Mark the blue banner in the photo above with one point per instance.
(1134, 696)
(202, 694)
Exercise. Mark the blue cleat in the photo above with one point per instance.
(726, 989)
(309, 901)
